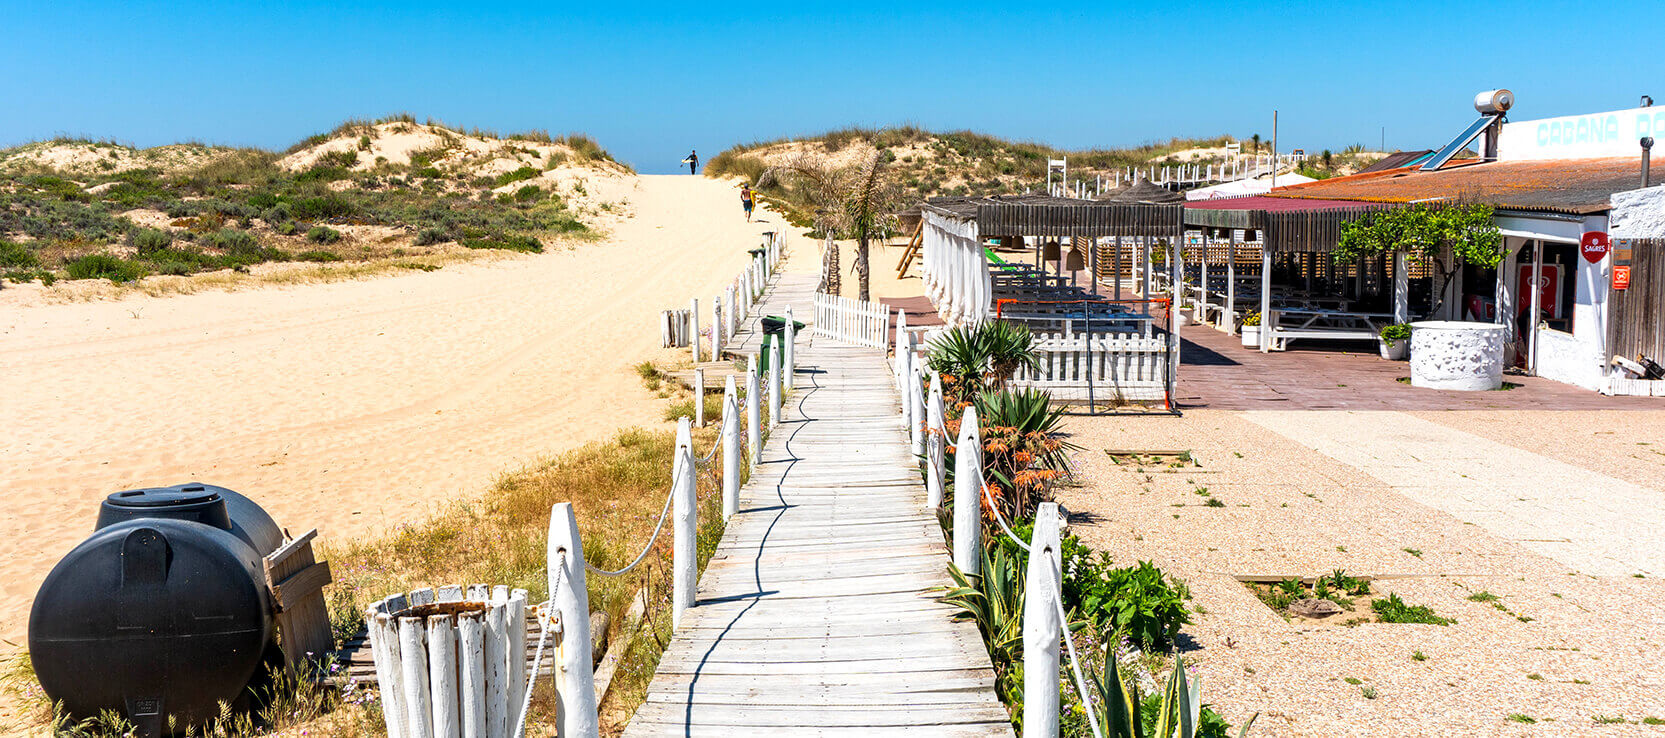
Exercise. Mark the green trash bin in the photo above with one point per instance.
(764, 351)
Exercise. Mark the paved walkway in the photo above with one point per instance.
(1216, 372)
(818, 613)
(1573, 515)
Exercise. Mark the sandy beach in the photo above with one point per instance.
(348, 406)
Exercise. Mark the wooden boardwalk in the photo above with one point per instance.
(818, 613)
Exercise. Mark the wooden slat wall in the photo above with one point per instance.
(1089, 221)
(1308, 231)
(1633, 318)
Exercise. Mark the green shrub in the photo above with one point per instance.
(429, 236)
(319, 256)
(507, 243)
(286, 228)
(1396, 332)
(104, 266)
(323, 234)
(981, 357)
(428, 172)
(521, 174)
(527, 194)
(343, 159)
(322, 207)
(149, 240)
(17, 256)
(276, 213)
(175, 268)
(1141, 602)
(1395, 610)
(29, 275)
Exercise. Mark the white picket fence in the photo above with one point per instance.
(1109, 368)
(851, 321)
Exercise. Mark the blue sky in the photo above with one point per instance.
(651, 80)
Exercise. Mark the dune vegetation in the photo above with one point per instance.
(367, 190)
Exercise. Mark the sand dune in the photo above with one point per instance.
(348, 406)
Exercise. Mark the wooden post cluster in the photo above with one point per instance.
(968, 488)
(1042, 627)
(450, 674)
(684, 509)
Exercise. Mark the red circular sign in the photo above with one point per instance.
(1593, 245)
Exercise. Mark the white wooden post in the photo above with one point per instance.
(471, 644)
(1230, 318)
(575, 706)
(442, 672)
(684, 576)
(717, 328)
(916, 403)
(413, 649)
(968, 488)
(935, 445)
(788, 362)
(497, 682)
(694, 328)
(731, 450)
(1402, 289)
(384, 644)
(897, 352)
(904, 368)
(1042, 628)
(699, 397)
(1267, 320)
(774, 385)
(754, 402)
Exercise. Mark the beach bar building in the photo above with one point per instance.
(1582, 279)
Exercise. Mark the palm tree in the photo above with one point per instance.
(1256, 138)
(856, 201)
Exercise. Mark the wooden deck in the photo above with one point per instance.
(818, 613)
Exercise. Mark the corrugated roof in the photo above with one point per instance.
(1578, 186)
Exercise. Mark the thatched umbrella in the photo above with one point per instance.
(1143, 192)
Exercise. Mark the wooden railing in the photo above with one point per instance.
(851, 321)
(1108, 366)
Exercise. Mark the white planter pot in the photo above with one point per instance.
(1251, 336)
(1457, 355)
(1394, 350)
(450, 661)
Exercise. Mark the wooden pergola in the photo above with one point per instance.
(1300, 232)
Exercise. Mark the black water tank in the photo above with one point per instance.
(162, 611)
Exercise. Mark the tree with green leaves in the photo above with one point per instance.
(1445, 236)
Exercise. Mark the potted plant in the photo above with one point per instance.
(1393, 341)
(1251, 329)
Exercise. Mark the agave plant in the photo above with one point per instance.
(982, 357)
(994, 600)
(1179, 712)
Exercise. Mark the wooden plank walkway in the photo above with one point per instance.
(818, 613)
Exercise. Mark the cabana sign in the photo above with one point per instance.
(1593, 245)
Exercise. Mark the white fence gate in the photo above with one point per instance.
(852, 321)
(1098, 369)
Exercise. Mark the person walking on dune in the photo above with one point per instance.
(693, 161)
(747, 199)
